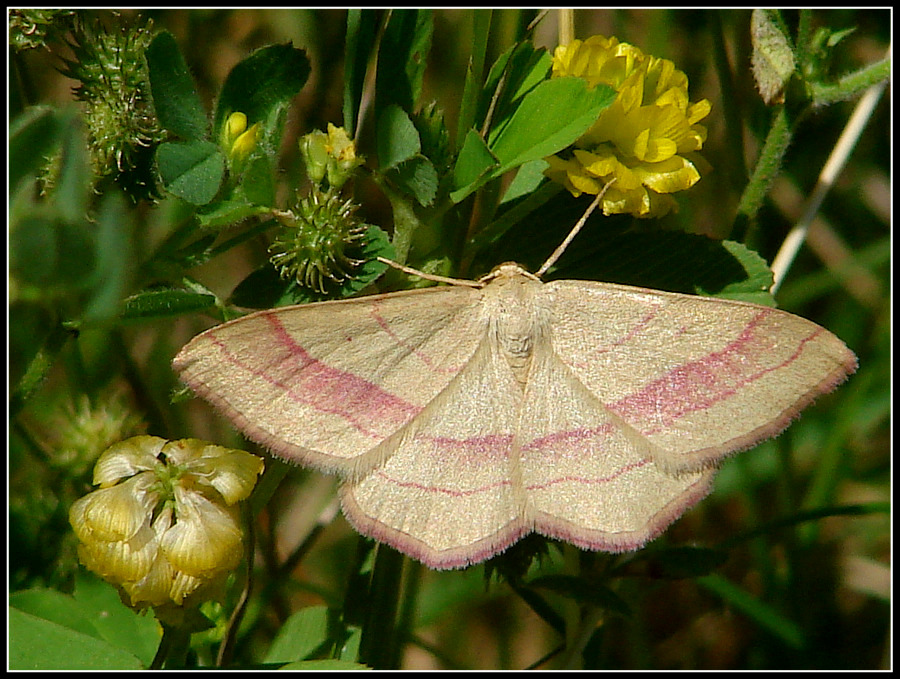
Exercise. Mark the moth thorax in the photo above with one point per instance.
(516, 336)
(518, 352)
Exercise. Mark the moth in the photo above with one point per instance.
(462, 417)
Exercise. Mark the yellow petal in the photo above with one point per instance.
(676, 174)
(654, 149)
(155, 587)
(183, 585)
(205, 537)
(127, 458)
(234, 474)
(231, 472)
(115, 513)
(121, 561)
(698, 111)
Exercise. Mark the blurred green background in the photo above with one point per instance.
(805, 595)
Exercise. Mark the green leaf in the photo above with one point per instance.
(165, 303)
(227, 212)
(481, 28)
(434, 136)
(303, 633)
(837, 36)
(527, 180)
(474, 162)
(258, 183)
(193, 171)
(418, 178)
(177, 104)
(762, 613)
(522, 67)
(263, 288)
(32, 138)
(582, 591)
(397, 139)
(115, 622)
(114, 253)
(39, 644)
(262, 87)
(402, 58)
(362, 27)
(51, 630)
(53, 606)
(325, 664)
(773, 56)
(550, 118)
(755, 287)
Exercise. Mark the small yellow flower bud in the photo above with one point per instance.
(244, 144)
(313, 148)
(233, 128)
(332, 155)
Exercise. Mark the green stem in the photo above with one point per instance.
(851, 84)
(406, 617)
(591, 616)
(764, 174)
(173, 648)
(804, 39)
(406, 221)
(379, 634)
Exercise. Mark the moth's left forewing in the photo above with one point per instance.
(328, 384)
(698, 377)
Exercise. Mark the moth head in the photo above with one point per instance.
(507, 270)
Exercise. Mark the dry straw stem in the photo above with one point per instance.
(832, 168)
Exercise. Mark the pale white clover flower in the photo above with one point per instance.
(164, 523)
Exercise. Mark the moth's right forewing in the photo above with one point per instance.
(698, 377)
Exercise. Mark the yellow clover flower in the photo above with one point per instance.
(644, 140)
(164, 525)
(237, 140)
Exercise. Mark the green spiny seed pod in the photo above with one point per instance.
(314, 245)
(31, 28)
(109, 65)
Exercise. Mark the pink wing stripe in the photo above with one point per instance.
(455, 492)
(425, 358)
(568, 437)
(482, 449)
(478, 449)
(328, 390)
(701, 384)
(446, 491)
(640, 325)
(581, 479)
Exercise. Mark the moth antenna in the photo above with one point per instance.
(430, 276)
(551, 260)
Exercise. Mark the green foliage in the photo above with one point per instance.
(90, 630)
(453, 113)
